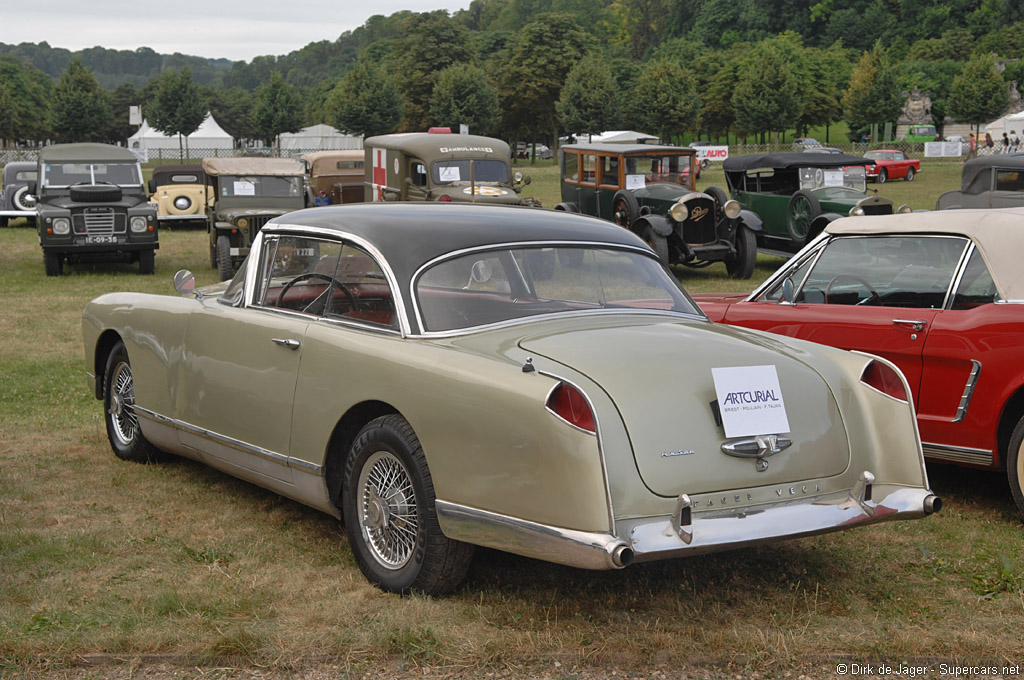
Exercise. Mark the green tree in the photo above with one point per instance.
(590, 101)
(873, 96)
(532, 76)
(178, 107)
(366, 102)
(979, 93)
(431, 43)
(637, 25)
(664, 100)
(463, 95)
(277, 108)
(122, 99)
(80, 109)
(768, 96)
(232, 109)
(25, 93)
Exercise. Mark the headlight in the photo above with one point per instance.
(61, 226)
(182, 203)
(517, 177)
(732, 209)
(903, 209)
(679, 212)
(138, 224)
(242, 223)
(856, 211)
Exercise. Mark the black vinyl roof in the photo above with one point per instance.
(162, 173)
(791, 159)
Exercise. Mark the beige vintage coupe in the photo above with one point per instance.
(444, 376)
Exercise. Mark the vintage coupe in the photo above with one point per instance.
(14, 192)
(995, 181)
(444, 375)
(891, 164)
(941, 295)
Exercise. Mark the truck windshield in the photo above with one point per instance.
(66, 174)
(450, 172)
(265, 187)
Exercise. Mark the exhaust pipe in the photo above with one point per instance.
(932, 504)
(622, 555)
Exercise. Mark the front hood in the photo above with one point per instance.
(235, 213)
(480, 193)
(659, 376)
(662, 192)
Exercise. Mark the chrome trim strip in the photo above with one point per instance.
(958, 275)
(958, 454)
(965, 399)
(540, 318)
(280, 459)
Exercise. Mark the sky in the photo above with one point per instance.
(232, 29)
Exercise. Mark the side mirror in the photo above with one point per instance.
(185, 283)
(788, 291)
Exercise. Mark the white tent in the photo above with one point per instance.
(1011, 121)
(619, 136)
(210, 135)
(320, 137)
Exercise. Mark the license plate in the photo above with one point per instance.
(101, 239)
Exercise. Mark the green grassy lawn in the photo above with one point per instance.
(100, 556)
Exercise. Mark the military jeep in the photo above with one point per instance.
(440, 166)
(249, 192)
(650, 189)
(91, 205)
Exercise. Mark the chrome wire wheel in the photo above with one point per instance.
(387, 510)
(122, 405)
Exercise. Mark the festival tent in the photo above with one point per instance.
(320, 137)
(1011, 121)
(209, 135)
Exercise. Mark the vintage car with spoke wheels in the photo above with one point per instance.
(797, 194)
(15, 198)
(650, 189)
(443, 376)
(941, 295)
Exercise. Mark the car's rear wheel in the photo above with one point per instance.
(882, 176)
(225, 269)
(910, 174)
(742, 267)
(625, 209)
(1015, 465)
(123, 431)
(803, 208)
(53, 263)
(388, 505)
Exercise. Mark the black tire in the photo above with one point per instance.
(53, 263)
(719, 196)
(625, 209)
(742, 267)
(1015, 465)
(657, 242)
(96, 193)
(225, 268)
(123, 431)
(18, 199)
(393, 532)
(802, 209)
(910, 174)
(3, 222)
(147, 261)
(213, 256)
(567, 207)
(883, 175)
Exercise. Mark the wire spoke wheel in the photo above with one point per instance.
(122, 405)
(387, 510)
(800, 217)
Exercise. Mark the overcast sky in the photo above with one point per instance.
(234, 29)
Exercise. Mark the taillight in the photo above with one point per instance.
(445, 198)
(569, 404)
(884, 379)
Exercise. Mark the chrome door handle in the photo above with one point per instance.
(912, 323)
(287, 342)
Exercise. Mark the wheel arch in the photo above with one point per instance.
(1013, 411)
(344, 433)
(819, 223)
(105, 344)
(751, 220)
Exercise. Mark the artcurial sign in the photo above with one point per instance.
(750, 400)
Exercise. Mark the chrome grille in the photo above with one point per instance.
(99, 222)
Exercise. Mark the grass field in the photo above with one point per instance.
(130, 565)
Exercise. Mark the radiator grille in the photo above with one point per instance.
(700, 228)
(100, 222)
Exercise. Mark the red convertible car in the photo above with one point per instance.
(891, 164)
(941, 294)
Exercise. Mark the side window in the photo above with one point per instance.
(589, 175)
(610, 171)
(572, 167)
(360, 291)
(418, 173)
(1009, 180)
(976, 285)
(296, 274)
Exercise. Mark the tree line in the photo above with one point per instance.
(535, 69)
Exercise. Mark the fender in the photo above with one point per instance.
(751, 220)
(819, 223)
(661, 225)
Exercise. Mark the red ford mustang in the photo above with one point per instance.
(941, 294)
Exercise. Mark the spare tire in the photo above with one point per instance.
(18, 199)
(95, 193)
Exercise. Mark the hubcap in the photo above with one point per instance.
(387, 510)
(122, 405)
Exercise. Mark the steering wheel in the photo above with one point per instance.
(874, 294)
(316, 275)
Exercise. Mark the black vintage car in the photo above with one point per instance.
(995, 181)
(650, 189)
(92, 205)
(17, 176)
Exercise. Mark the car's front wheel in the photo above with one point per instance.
(657, 242)
(625, 209)
(1015, 465)
(123, 431)
(742, 266)
(147, 261)
(390, 518)
(882, 176)
(225, 268)
(53, 263)
(910, 174)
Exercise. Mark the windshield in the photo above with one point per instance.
(450, 172)
(493, 286)
(661, 168)
(260, 186)
(853, 177)
(66, 174)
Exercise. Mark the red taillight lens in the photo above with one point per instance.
(569, 404)
(445, 198)
(884, 379)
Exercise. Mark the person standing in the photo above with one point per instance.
(1014, 141)
(1006, 143)
(988, 142)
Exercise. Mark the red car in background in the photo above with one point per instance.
(891, 164)
(940, 294)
